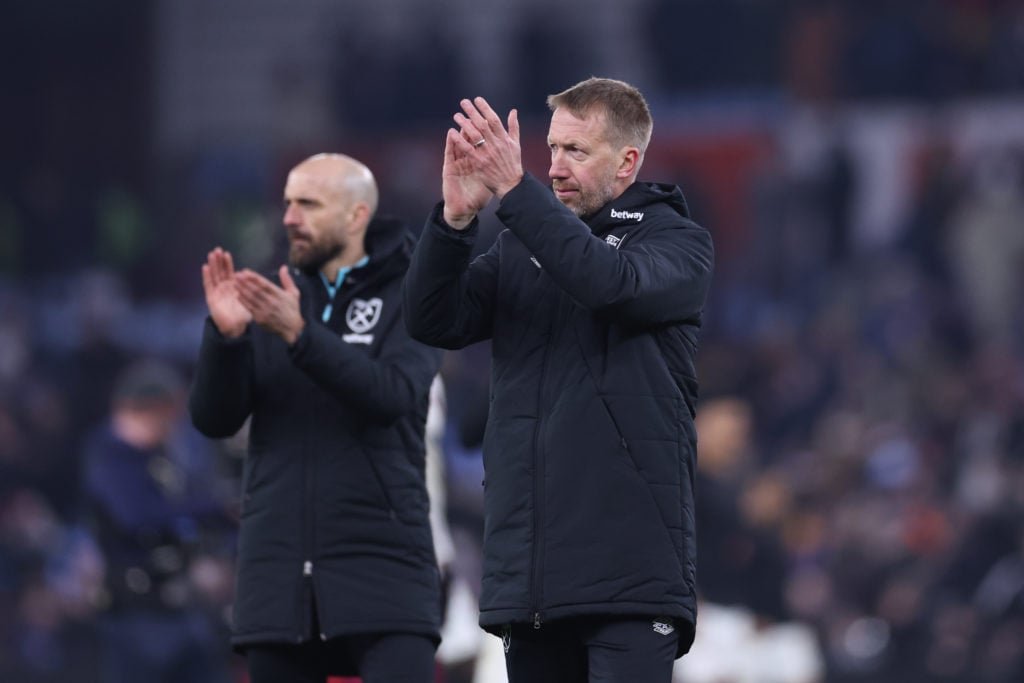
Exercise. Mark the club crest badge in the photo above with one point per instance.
(362, 315)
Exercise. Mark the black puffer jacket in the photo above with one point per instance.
(335, 506)
(590, 446)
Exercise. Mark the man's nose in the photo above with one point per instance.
(557, 168)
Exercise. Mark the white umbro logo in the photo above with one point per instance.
(663, 627)
(613, 240)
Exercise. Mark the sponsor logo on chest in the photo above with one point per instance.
(628, 215)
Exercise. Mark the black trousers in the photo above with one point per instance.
(591, 650)
(380, 658)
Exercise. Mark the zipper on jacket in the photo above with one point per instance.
(307, 571)
(536, 595)
(307, 516)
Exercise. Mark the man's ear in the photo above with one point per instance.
(629, 164)
(360, 217)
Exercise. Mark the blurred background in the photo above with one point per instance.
(860, 164)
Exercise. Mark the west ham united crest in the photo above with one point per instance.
(361, 316)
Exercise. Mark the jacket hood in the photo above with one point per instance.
(386, 235)
(636, 202)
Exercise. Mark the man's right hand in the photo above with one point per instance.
(463, 191)
(226, 309)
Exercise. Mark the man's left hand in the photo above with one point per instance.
(274, 308)
(494, 153)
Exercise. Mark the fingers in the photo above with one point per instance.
(286, 280)
(456, 146)
(272, 307)
(449, 146)
(491, 118)
(249, 295)
(220, 266)
(484, 118)
(207, 278)
(254, 282)
(513, 125)
(256, 292)
(470, 132)
(212, 268)
(262, 293)
(227, 262)
(479, 122)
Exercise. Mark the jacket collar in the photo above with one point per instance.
(635, 204)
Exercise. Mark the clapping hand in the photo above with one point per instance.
(481, 159)
(219, 285)
(273, 308)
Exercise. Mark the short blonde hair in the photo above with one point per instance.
(627, 119)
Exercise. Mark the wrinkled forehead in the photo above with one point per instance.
(589, 126)
(309, 181)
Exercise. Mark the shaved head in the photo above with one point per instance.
(349, 176)
(329, 202)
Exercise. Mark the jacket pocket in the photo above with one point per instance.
(650, 429)
(403, 499)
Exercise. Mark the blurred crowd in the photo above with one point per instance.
(861, 458)
(117, 520)
(862, 432)
(861, 424)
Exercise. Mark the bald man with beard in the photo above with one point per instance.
(336, 569)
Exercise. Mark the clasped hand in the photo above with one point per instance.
(237, 298)
(481, 160)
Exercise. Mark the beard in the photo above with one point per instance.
(589, 202)
(310, 254)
